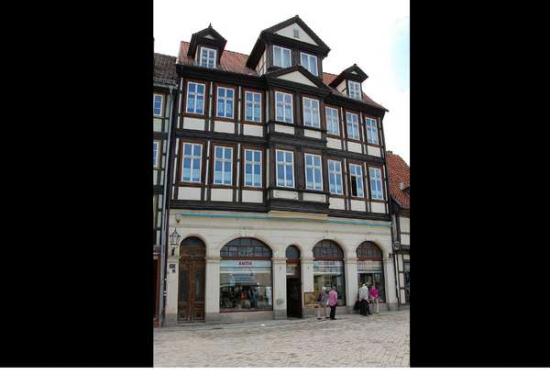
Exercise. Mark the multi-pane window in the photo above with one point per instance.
(281, 57)
(223, 165)
(354, 90)
(157, 105)
(285, 168)
(309, 62)
(356, 175)
(156, 154)
(376, 183)
(333, 126)
(284, 107)
(225, 97)
(353, 125)
(208, 57)
(372, 131)
(311, 113)
(314, 173)
(253, 106)
(192, 162)
(335, 177)
(253, 168)
(195, 98)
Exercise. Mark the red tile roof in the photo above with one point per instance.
(236, 62)
(164, 71)
(399, 173)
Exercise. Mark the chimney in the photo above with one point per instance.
(389, 152)
(401, 186)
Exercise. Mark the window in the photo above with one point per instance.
(253, 168)
(311, 113)
(309, 62)
(335, 177)
(156, 153)
(354, 90)
(314, 173)
(376, 183)
(253, 106)
(192, 162)
(353, 126)
(296, 33)
(157, 105)
(333, 126)
(208, 58)
(356, 174)
(285, 169)
(195, 98)
(223, 165)
(284, 107)
(281, 57)
(328, 268)
(225, 102)
(372, 131)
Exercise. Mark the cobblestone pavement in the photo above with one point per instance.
(381, 340)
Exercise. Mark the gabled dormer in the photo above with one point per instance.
(288, 44)
(349, 82)
(206, 47)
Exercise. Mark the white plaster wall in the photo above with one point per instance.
(354, 147)
(221, 195)
(311, 133)
(279, 286)
(334, 143)
(358, 205)
(212, 282)
(406, 257)
(253, 130)
(405, 224)
(297, 77)
(374, 151)
(253, 196)
(284, 129)
(378, 207)
(336, 203)
(189, 193)
(172, 283)
(225, 127)
(289, 32)
(285, 194)
(405, 239)
(312, 197)
(352, 288)
(191, 123)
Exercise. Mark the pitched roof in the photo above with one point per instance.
(164, 71)
(236, 62)
(399, 173)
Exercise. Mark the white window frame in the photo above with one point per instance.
(308, 65)
(317, 185)
(282, 59)
(352, 175)
(254, 103)
(157, 147)
(225, 162)
(335, 173)
(208, 57)
(374, 193)
(161, 104)
(195, 95)
(277, 94)
(252, 164)
(354, 125)
(192, 157)
(355, 92)
(225, 100)
(311, 113)
(372, 131)
(285, 164)
(329, 122)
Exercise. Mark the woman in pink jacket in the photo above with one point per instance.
(332, 302)
(374, 297)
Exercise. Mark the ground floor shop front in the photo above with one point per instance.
(233, 266)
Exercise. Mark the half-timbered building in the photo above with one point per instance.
(279, 181)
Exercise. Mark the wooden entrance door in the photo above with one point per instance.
(191, 281)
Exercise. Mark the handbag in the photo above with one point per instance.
(357, 305)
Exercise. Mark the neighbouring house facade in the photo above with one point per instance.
(399, 181)
(164, 93)
(278, 183)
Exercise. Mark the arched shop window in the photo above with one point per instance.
(369, 267)
(245, 276)
(328, 269)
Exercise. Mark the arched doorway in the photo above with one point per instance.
(328, 268)
(293, 282)
(191, 280)
(369, 267)
(245, 276)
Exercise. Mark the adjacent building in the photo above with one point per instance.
(399, 181)
(278, 183)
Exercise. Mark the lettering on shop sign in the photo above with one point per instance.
(245, 263)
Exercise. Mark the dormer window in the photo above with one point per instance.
(281, 57)
(309, 62)
(354, 90)
(208, 57)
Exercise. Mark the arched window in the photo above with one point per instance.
(369, 251)
(328, 268)
(192, 248)
(292, 253)
(369, 267)
(327, 250)
(246, 248)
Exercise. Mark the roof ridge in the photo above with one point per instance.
(165, 55)
(225, 50)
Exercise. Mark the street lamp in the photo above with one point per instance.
(174, 240)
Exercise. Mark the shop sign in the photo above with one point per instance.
(327, 267)
(244, 266)
(369, 266)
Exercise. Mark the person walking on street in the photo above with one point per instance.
(322, 300)
(374, 296)
(364, 300)
(333, 301)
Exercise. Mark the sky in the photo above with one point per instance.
(374, 34)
